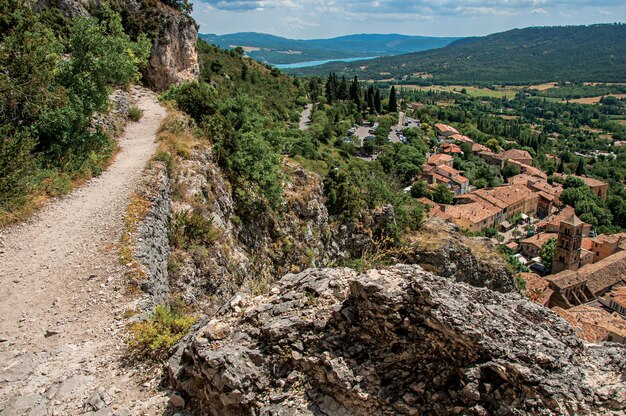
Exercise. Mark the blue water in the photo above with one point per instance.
(316, 63)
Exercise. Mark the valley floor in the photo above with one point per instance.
(63, 295)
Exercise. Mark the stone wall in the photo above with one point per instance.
(152, 248)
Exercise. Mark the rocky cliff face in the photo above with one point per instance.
(246, 254)
(173, 57)
(440, 248)
(394, 341)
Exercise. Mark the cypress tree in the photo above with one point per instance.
(377, 102)
(393, 101)
(580, 169)
(355, 92)
(343, 94)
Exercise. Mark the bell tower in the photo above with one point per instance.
(567, 253)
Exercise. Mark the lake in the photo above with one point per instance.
(316, 63)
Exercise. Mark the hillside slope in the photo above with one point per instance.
(279, 50)
(537, 54)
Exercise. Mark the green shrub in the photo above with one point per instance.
(194, 98)
(135, 113)
(154, 337)
(190, 228)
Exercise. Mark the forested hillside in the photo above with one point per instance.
(279, 50)
(531, 55)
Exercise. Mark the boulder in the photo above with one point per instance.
(399, 340)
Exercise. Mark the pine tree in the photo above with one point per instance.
(355, 92)
(332, 88)
(377, 102)
(393, 101)
(343, 93)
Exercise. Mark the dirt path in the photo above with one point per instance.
(62, 294)
(305, 117)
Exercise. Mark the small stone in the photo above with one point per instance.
(51, 332)
(177, 401)
(217, 330)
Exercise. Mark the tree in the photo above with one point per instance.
(100, 54)
(342, 196)
(377, 102)
(510, 170)
(332, 88)
(493, 144)
(546, 252)
(355, 92)
(343, 92)
(420, 189)
(587, 205)
(443, 195)
(244, 72)
(580, 168)
(393, 101)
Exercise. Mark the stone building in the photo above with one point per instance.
(569, 245)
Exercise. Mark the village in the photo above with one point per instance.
(586, 282)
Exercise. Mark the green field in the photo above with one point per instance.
(498, 92)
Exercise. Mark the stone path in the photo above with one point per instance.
(305, 117)
(63, 296)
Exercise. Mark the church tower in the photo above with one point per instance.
(567, 253)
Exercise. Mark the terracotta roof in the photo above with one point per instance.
(606, 273)
(617, 295)
(441, 178)
(592, 324)
(587, 243)
(477, 147)
(440, 158)
(516, 154)
(538, 240)
(565, 279)
(507, 194)
(444, 128)
(612, 239)
(474, 212)
(591, 182)
(451, 148)
(554, 190)
(460, 179)
(555, 220)
(490, 154)
(521, 179)
(448, 169)
(461, 138)
(537, 288)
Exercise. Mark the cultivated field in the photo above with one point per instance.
(498, 92)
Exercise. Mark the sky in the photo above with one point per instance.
(309, 19)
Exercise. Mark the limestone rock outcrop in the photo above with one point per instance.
(173, 57)
(394, 341)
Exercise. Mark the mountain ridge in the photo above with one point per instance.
(274, 49)
(534, 54)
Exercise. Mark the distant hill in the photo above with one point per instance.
(536, 54)
(277, 50)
